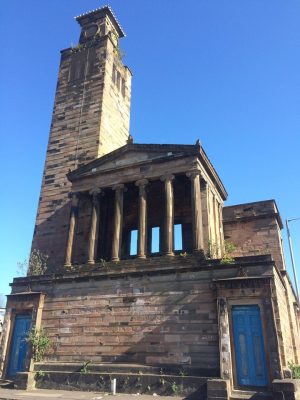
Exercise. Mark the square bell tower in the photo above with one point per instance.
(90, 118)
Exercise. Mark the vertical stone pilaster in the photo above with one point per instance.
(169, 215)
(73, 219)
(205, 216)
(217, 226)
(224, 340)
(196, 210)
(118, 222)
(220, 215)
(142, 218)
(94, 226)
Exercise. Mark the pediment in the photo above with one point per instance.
(133, 154)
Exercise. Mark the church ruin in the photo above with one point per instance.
(139, 282)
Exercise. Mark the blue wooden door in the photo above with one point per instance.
(19, 345)
(250, 359)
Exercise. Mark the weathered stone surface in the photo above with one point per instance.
(90, 118)
(288, 389)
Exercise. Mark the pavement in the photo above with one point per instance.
(44, 394)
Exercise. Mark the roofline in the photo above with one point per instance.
(110, 12)
(262, 201)
(195, 150)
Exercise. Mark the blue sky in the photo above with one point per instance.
(223, 71)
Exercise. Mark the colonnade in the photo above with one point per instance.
(196, 208)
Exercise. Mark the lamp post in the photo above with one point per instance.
(292, 255)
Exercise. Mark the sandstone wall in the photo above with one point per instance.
(162, 319)
(90, 118)
(254, 228)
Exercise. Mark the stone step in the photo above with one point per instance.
(127, 382)
(6, 384)
(253, 395)
(183, 370)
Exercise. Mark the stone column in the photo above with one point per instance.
(94, 225)
(118, 222)
(196, 210)
(217, 225)
(169, 215)
(73, 219)
(142, 217)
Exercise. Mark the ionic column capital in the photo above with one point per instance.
(141, 182)
(119, 187)
(193, 174)
(167, 178)
(95, 193)
(74, 196)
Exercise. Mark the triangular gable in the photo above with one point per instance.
(132, 154)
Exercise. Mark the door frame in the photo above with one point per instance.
(25, 303)
(11, 335)
(243, 303)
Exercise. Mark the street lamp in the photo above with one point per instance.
(292, 255)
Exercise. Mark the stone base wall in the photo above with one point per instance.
(160, 312)
(153, 319)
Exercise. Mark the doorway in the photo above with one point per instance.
(19, 345)
(250, 358)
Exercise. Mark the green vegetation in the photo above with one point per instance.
(295, 370)
(174, 388)
(40, 343)
(84, 368)
(36, 265)
(228, 249)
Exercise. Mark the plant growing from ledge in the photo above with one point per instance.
(295, 370)
(76, 48)
(212, 250)
(174, 388)
(182, 372)
(35, 265)
(40, 375)
(229, 248)
(84, 368)
(40, 343)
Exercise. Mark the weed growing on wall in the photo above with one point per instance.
(35, 265)
(40, 343)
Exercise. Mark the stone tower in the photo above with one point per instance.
(90, 118)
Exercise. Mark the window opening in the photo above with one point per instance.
(155, 239)
(133, 242)
(178, 237)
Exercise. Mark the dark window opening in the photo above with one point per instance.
(114, 74)
(178, 237)
(155, 239)
(133, 242)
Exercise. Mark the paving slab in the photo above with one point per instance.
(43, 394)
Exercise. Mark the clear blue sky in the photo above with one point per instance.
(223, 71)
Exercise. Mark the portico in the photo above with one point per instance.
(156, 191)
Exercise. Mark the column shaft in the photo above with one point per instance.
(94, 226)
(73, 219)
(142, 227)
(196, 210)
(169, 215)
(118, 222)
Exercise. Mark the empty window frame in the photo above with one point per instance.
(178, 237)
(133, 242)
(114, 74)
(155, 233)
